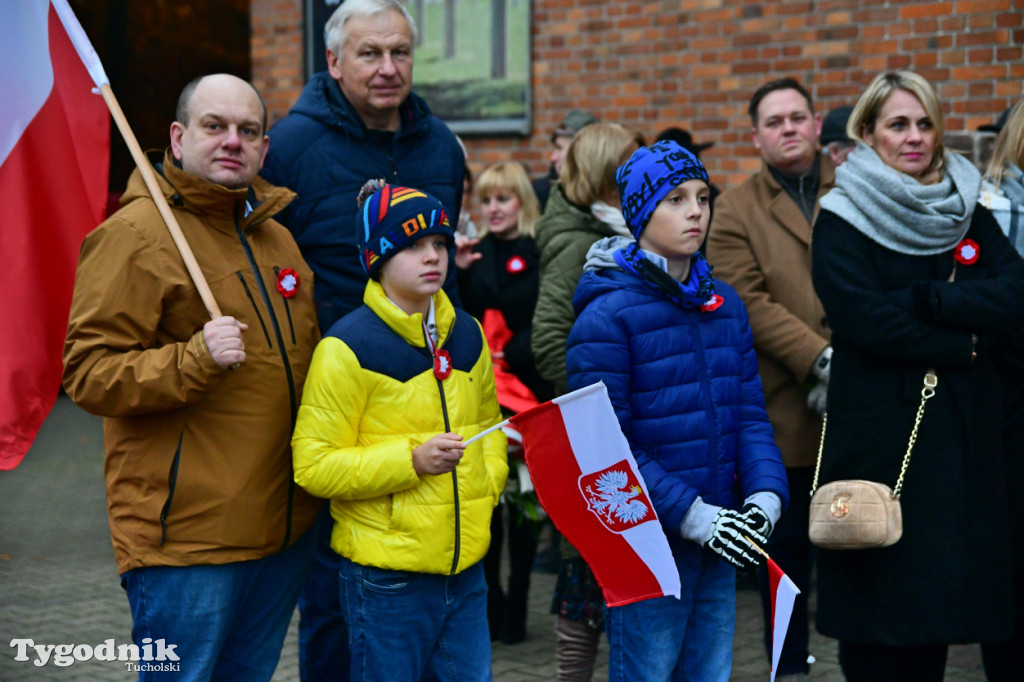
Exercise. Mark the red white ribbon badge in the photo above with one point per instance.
(967, 252)
(442, 364)
(515, 265)
(713, 303)
(288, 282)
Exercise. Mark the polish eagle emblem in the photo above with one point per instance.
(616, 498)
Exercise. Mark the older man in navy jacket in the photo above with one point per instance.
(357, 121)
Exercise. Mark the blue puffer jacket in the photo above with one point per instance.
(685, 387)
(324, 153)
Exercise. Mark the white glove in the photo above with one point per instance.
(817, 398)
(822, 367)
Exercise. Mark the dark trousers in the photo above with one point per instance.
(877, 663)
(790, 548)
(323, 637)
(506, 609)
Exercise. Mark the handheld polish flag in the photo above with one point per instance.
(54, 165)
(783, 592)
(589, 484)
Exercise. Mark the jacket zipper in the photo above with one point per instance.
(455, 476)
(281, 349)
(172, 481)
(455, 480)
(287, 309)
(256, 309)
(702, 363)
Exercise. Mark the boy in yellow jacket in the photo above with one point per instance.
(394, 389)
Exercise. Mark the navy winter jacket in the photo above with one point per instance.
(324, 153)
(685, 387)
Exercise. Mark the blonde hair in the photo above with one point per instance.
(1009, 145)
(596, 152)
(865, 114)
(511, 177)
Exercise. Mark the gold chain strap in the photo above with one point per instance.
(931, 380)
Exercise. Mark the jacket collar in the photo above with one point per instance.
(784, 209)
(216, 204)
(410, 327)
(323, 100)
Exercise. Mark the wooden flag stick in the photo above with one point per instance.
(161, 202)
(754, 545)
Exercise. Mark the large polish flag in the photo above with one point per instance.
(590, 486)
(54, 166)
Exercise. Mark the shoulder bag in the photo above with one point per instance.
(856, 514)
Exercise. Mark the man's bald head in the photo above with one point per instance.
(220, 131)
(181, 113)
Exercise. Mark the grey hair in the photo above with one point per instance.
(334, 32)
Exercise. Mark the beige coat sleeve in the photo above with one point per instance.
(778, 333)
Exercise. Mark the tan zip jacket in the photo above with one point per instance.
(198, 465)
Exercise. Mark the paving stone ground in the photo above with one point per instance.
(58, 582)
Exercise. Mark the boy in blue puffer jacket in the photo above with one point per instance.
(675, 349)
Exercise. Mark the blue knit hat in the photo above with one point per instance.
(392, 218)
(649, 175)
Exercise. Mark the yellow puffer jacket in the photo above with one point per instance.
(370, 398)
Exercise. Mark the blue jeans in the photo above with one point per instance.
(416, 626)
(323, 637)
(678, 639)
(228, 621)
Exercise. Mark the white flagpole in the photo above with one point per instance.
(487, 432)
(579, 392)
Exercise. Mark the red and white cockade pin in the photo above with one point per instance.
(288, 282)
(713, 303)
(515, 265)
(967, 252)
(442, 364)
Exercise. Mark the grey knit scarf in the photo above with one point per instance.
(897, 211)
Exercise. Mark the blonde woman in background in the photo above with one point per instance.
(498, 286)
(1002, 192)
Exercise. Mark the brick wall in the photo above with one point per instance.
(695, 63)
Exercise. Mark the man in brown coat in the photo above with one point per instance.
(759, 242)
(211, 535)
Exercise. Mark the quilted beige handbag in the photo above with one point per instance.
(856, 514)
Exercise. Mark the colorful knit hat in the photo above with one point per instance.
(391, 217)
(649, 175)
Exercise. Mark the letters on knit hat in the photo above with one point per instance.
(649, 175)
(391, 218)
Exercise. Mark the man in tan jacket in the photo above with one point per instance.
(209, 530)
(759, 242)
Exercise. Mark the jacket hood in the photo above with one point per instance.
(323, 101)
(602, 254)
(562, 216)
(596, 283)
(191, 192)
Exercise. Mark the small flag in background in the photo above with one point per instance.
(783, 592)
(588, 482)
(54, 162)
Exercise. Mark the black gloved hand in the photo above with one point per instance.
(725, 538)
(757, 521)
